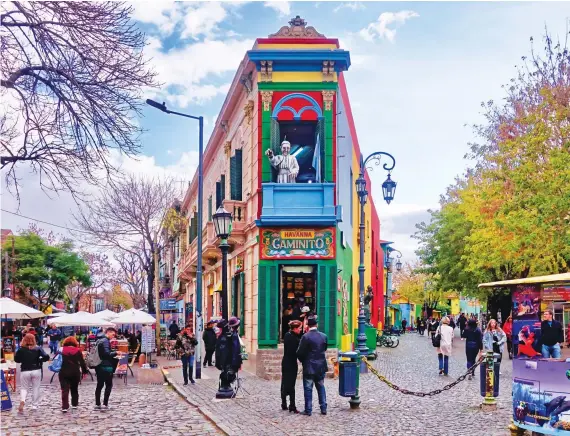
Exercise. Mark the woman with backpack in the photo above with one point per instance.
(72, 366)
(31, 358)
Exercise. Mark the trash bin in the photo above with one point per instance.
(483, 377)
(349, 373)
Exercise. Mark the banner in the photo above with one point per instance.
(6, 401)
(541, 384)
(298, 243)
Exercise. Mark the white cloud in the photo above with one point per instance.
(185, 69)
(165, 16)
(202, 19)
(355, 6)
(379, 28)
(283, 8)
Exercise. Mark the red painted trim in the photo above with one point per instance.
(297, 41)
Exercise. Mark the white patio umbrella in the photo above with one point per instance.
(82, 319)
(134, 316)
(107, 314)
(14, 310)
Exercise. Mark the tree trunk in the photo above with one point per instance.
(150, 287)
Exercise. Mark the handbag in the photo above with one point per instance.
(436, 339)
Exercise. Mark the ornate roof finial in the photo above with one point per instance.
(297, 29)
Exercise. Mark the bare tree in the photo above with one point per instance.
(102, 274)
(132, 276)
(127, 215)
(72, 76)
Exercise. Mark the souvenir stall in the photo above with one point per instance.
(541, 352)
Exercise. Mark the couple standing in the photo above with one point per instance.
(310, 350)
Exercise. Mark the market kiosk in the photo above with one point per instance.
(541, 376)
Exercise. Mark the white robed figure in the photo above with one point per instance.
(285, 164)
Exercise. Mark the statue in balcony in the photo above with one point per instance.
(285, 164)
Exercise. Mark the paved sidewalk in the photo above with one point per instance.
(413, 365)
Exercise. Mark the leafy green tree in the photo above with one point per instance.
(44, 271)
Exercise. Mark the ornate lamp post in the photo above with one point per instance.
(223, 226)
(388, 266)
(388, 190)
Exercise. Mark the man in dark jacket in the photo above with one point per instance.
(106, 368)
(551, 336)
(174, 330)
(311, 353)
(462, 321)
(209, 337)
(228, 360)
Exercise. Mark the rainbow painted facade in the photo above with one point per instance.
(292, 244)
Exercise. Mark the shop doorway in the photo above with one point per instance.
(297, 289)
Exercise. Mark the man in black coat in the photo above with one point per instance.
(311, 353)
(551, 336)
(289, 365)
(462, 321)
(174, 330)
(209, 337)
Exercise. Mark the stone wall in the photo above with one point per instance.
(268, 362)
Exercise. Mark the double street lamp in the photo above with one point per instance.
(388, 190)
(199, 321)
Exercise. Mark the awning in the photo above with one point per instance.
(553, 278)
(393, 306)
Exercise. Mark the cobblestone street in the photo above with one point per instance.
(134, 410)
(413, 365)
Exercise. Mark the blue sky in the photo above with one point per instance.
(419, 73)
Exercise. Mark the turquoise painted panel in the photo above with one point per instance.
(292, 204)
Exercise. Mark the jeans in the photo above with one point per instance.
(69, 384)
(103, 378)
(53, 346)
(471, 351)
(187, 367)
(30, 381)
(443, 363)
(319, 382)
(551, 351)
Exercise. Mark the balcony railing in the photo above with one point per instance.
(288, 204)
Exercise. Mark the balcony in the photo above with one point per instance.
(239, 214)
(298, 204)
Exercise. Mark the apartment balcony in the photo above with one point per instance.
(239, 214)
(299, 204)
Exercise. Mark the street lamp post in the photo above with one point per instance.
(388, 190)
(223, 226)
(199, 321)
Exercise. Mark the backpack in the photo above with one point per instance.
(436, 339)
(93, 359)
(55, 365)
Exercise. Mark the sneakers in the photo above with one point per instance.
(185, 384)
(64, 410)
(193, 382)
(440, 371)
(97, 407)
(105, 407)
(323, 412)
(74, 407)
(304, 412)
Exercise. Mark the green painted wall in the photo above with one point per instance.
(344, 262)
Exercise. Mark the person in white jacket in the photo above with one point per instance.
(445, 345)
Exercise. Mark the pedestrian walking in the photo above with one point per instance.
(106, 368)
(174, 330)
(289, 366)
(30, 357)
(552, 336)
(209, 338)
(72, 367)
(186, 344)
(40, 336)
(445, 334)
(462, 321)
(54, 337)
(473, 345)
(494, 339)
(432, 327)
(508, 329)
(311, 353)
(404, 325)
(421, 326)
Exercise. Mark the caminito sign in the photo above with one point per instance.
(298, 243)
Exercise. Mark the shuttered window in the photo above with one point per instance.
(218, 195)
(268, 306)
(193, 227)
(236, 176)
(326, 302)
(210, 208)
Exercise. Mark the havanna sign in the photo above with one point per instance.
(298, 243)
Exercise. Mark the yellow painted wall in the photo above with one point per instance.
(455, 310)
(296, 76)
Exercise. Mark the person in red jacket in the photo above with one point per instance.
(72, 366)
(508, 329)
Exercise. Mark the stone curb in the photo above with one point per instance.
(208, 414)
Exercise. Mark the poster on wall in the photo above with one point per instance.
(298, 243)
(541, 374)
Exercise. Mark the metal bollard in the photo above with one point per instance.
(489, 401)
